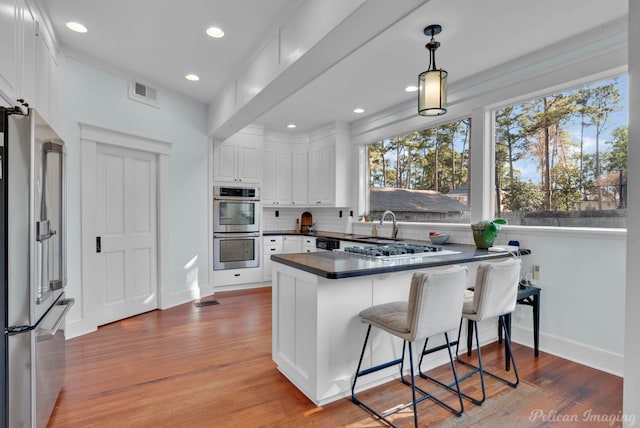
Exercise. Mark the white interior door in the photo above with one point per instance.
(126, 233)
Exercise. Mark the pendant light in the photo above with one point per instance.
(432, 87)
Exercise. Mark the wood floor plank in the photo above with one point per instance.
(211, 367)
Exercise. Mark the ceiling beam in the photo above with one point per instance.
(309, 42)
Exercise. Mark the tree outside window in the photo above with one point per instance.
(561, 158)
(423, 175)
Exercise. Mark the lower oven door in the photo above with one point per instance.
(236, 251)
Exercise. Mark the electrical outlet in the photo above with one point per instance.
(535, 272)
(519, 313)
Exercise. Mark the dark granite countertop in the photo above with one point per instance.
(337, 265)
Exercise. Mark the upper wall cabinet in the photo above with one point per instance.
(237, 159)
(299, 175)
(308, 174)
(322, 174)
(9, 22)
(28, 62)
(330, 167)
(284, 174)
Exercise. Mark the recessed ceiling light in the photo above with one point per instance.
(215, 32)
(192, 77)
(77, 27)
(291, 125)
(411, 88)
(358, 110)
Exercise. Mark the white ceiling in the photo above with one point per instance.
(160, 41)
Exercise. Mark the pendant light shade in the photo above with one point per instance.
(432, 84)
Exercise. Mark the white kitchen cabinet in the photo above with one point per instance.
(322, 174)
(238, 159)
(281, 244)
(299, 175)
(28, 61)
(28, 75)
(283, 176)
(9, 49)
(277, 175)
(44, 67)
(291, 244)
(309, 244)
(268, 185)
(271, 245)
(230, 277)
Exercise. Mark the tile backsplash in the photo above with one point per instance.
(327, 219)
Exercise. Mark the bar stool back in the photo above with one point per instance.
(494, 295)
(434, 307)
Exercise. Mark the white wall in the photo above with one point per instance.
(631, 405)
(99, 98)
(582, 277)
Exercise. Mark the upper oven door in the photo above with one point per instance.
(233, 215)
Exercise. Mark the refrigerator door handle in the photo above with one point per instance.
(48, 333)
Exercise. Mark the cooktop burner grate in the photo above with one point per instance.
(397, 250)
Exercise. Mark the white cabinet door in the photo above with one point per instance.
(238, 159)
(283, 176)
(27, 89)
(314, 176)
(309, 245)
(8, 50)
(268, 187)
(42, 77)
(299, 178)
(271, 245)
(292, 244)
(326, 186)
(277, 174)
(224, 162)
(322, 174)
(248, 162)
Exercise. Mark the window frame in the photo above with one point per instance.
(482, 158)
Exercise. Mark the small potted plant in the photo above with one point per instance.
(485, 232)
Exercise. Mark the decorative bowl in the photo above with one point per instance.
(439, 239)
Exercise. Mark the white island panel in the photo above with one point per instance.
(318, 336)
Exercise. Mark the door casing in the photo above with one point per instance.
(91, 136)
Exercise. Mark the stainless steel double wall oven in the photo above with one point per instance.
(236, 227)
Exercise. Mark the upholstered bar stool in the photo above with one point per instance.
(494, 295)
(434, 307)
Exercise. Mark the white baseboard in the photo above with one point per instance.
(590, 356)
(78, 328)
(238, 287)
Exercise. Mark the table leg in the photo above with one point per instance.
(536, 323)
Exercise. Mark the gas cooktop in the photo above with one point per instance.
(398, 250)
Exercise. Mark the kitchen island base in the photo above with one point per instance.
(317, 334)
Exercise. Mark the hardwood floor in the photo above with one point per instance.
(211, 367)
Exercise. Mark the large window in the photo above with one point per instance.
(422, 176)
(561, 160)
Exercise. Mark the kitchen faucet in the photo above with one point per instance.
(394, 231)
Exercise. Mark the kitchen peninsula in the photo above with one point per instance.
(317, 335)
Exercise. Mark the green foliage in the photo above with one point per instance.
(523, 196)
(429, 159)
(616, 159)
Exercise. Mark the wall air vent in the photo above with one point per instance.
(143, 93)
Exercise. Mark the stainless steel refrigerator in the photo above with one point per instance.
(33, 305)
